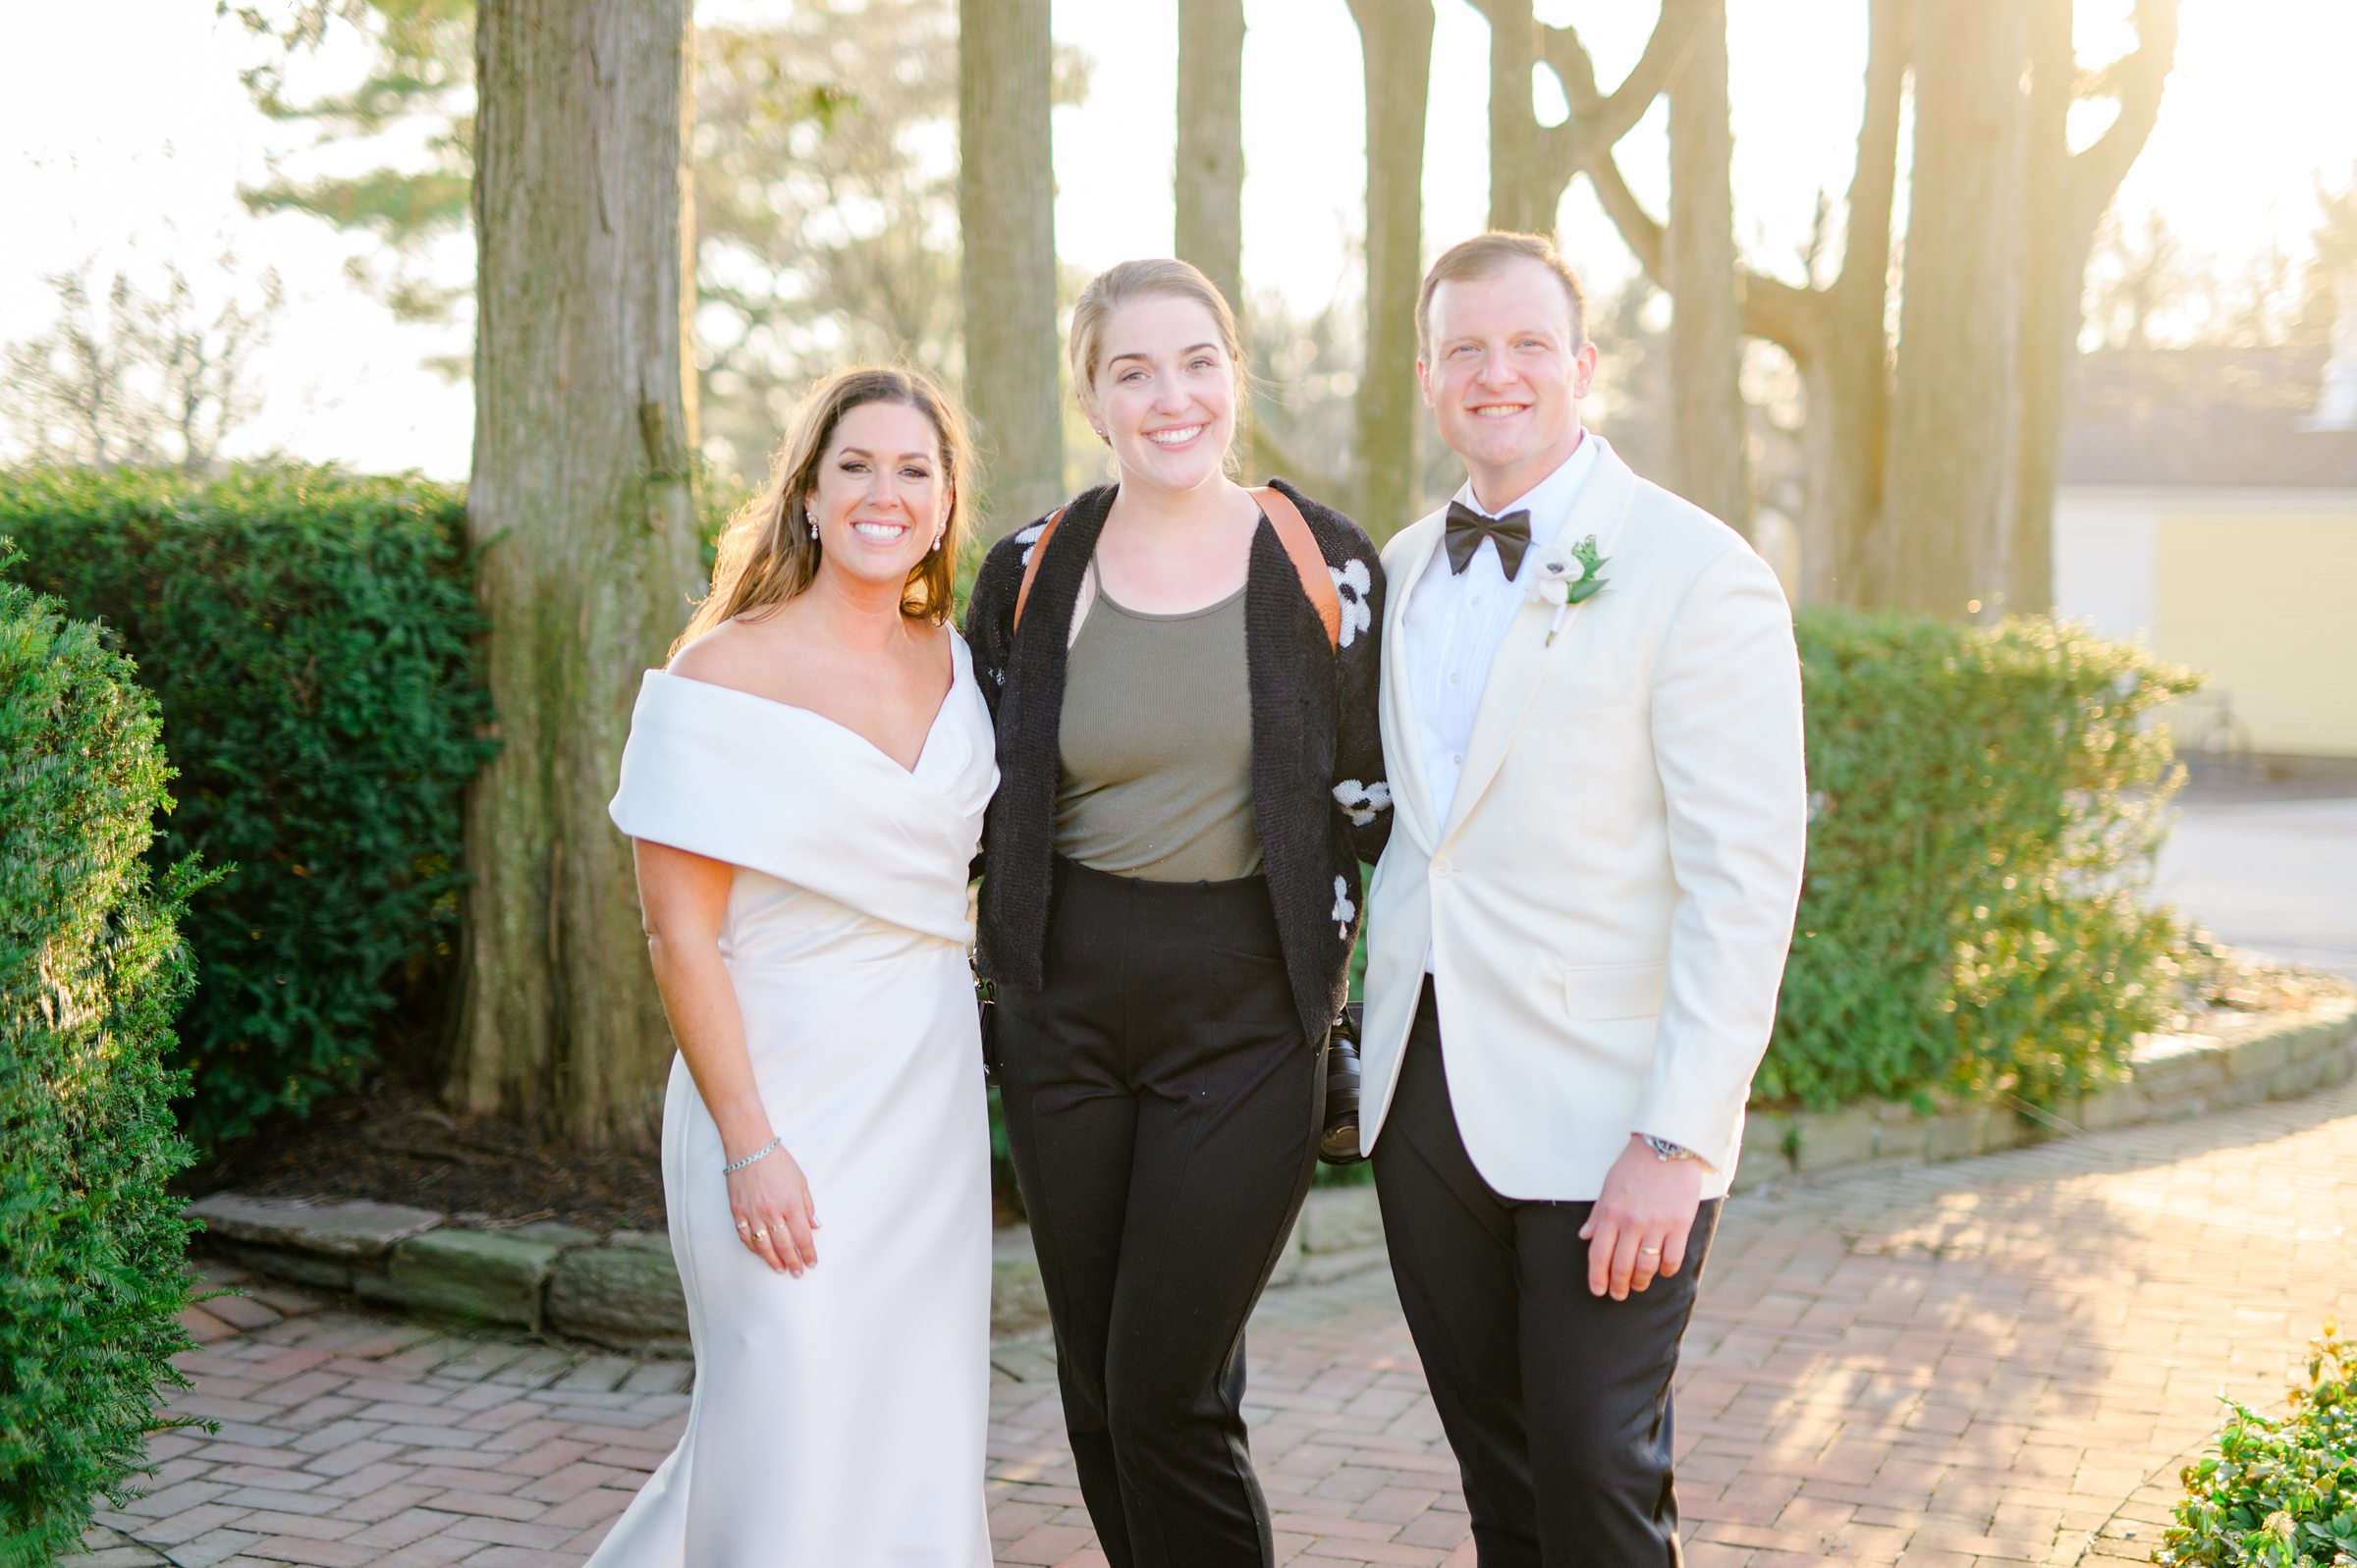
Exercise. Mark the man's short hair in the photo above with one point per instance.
(1487, 253)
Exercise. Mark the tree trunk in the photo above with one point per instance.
(1396, 42)
(1520, 199)
(2066, 197)
(1844, 383)
(1846, 367)
(580, 504)
(1706, 286)
(1209, 187)
(2050, 306)
(1007, 210)
(1210, 183)
(1950, 486)
(1835, 332)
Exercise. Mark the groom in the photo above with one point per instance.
(1591, 724)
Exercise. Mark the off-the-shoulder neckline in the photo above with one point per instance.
(960, 670)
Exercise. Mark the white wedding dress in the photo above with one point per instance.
(838, 1419)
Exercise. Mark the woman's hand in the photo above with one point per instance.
(774, 1211)
(684, 898)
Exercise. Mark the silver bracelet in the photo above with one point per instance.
(769, 1148)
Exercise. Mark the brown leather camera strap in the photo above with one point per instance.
(1309, 561)
(1039, 552)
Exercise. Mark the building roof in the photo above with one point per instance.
(2219, 417)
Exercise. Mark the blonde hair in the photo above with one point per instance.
(1131, 280)
(1485, 254)
(767, 551)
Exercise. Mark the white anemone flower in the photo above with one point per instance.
(1554, 569)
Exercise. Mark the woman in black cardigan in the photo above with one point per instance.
(1190, 777)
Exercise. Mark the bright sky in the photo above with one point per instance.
(135, 158)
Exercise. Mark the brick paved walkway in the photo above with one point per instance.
(1974, 1364)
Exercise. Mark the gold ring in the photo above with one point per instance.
(761, 1235)
(1649, 1252)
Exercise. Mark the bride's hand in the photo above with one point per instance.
(774, 1213)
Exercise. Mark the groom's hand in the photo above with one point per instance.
(1639, 1225)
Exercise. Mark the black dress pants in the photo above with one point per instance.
(1161, 1110)
(1556, 1402)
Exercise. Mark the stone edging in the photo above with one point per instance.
(622, 1292)
(2170, 1076)
(619, 1291)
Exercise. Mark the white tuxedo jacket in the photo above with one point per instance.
(1609, 903)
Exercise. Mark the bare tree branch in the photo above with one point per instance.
(1772, 310)
(151, 381)
(2136, 80)
(1866, 246)
(1665, 50)
(1640, 230)
(1599, 120)
(1788, 316)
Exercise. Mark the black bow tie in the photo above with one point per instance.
(1468, 528)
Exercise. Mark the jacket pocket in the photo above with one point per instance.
(1597, 992)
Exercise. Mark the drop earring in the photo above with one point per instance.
(937, 540)
(814, 531)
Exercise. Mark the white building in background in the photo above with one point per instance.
(2207, 506)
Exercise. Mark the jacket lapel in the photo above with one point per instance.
(1404, 750)
(1523, 657)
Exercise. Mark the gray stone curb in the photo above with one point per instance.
(2170, 1077)
(622, 1292)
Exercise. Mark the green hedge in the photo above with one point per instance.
(1982, 805)
(91, 971)
(2278, 1494)
(310, 638)
(1983, 799)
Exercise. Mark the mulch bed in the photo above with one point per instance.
(388, 1140)
(2227, 991)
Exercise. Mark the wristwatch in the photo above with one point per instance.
(1664, 1148)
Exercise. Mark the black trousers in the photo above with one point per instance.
(1556, 1402)
(1161, 1110)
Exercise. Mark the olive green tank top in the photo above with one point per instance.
(1154, 772)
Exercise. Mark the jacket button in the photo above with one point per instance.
(1444, 867)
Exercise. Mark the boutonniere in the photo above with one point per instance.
(1564, 577)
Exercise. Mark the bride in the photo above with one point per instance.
(805, 784)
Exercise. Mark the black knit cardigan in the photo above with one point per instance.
(1318, 801)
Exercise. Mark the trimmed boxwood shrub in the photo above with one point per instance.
(309, 637)
(1984, 805)
(2278, 1494)
(91, 971)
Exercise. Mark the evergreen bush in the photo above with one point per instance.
(1984, 801)
(1984, 805)
(91, 971)
(309, 637)
(2278, 1494)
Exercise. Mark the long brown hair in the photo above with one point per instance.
(767, 554)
